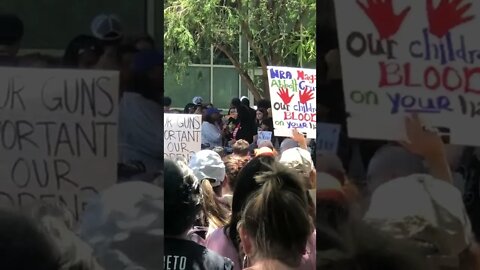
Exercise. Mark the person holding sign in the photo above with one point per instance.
(261, 114)
(265, 132)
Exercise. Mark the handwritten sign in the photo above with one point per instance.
(414, 61)
(58, 136)
(182, 135)
(264, 136)
(293, 97)
(327, 137)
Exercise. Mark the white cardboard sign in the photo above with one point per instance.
(182, 135)
(293, 97)
(414, 61)
(264, 136)
(327, 137)
(58, 136)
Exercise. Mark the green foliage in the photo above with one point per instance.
(275, 29)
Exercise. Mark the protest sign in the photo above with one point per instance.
(264, 136)
(182, 135)
(58, 136)
(327, 137)
(414, 61)
(293, 96)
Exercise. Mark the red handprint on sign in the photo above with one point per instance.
(382, 15)
(283, 94)
(447, 15)
(306, 96)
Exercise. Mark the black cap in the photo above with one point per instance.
(178, 187)
(173, 175)
(182, 198)
(11, 29)
(167, 101)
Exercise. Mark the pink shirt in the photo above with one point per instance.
(220, 243)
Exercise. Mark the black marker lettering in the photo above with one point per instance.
(47, 135)
(108, 96)
(23, 196)
(105, 135)
(9, 133)
(61, 174)
(89, 91)
(92, 142)
(15, 174)
(42, 183)
(63, 132)
(66, 97)
(6, 196)
(24, 135)
(58, 104)
(16, 93)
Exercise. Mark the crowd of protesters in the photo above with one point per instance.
(245, 203)
(122, 226)
(251, 209)
(224, 128)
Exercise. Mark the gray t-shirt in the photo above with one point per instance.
(140, 131)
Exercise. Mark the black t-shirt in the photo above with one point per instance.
(188, 255)
(8, 61)
(470, 170)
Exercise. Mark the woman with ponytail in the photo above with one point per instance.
(275, 225)
(209, 169)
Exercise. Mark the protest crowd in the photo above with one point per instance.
(248, 200)
(240, 124)
(247, 197)
(122, 226)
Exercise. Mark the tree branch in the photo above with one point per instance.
(243, 74)
(253, 44)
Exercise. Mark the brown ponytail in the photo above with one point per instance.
(277, 216)
(215, 212)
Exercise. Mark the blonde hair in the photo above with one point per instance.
(215, 213)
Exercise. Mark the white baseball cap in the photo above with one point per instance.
(107, 27)
(299, 159)
(207, 164)
(197, 100)
(420, 207)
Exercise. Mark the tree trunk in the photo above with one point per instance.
(243, 74)
(266, 85)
